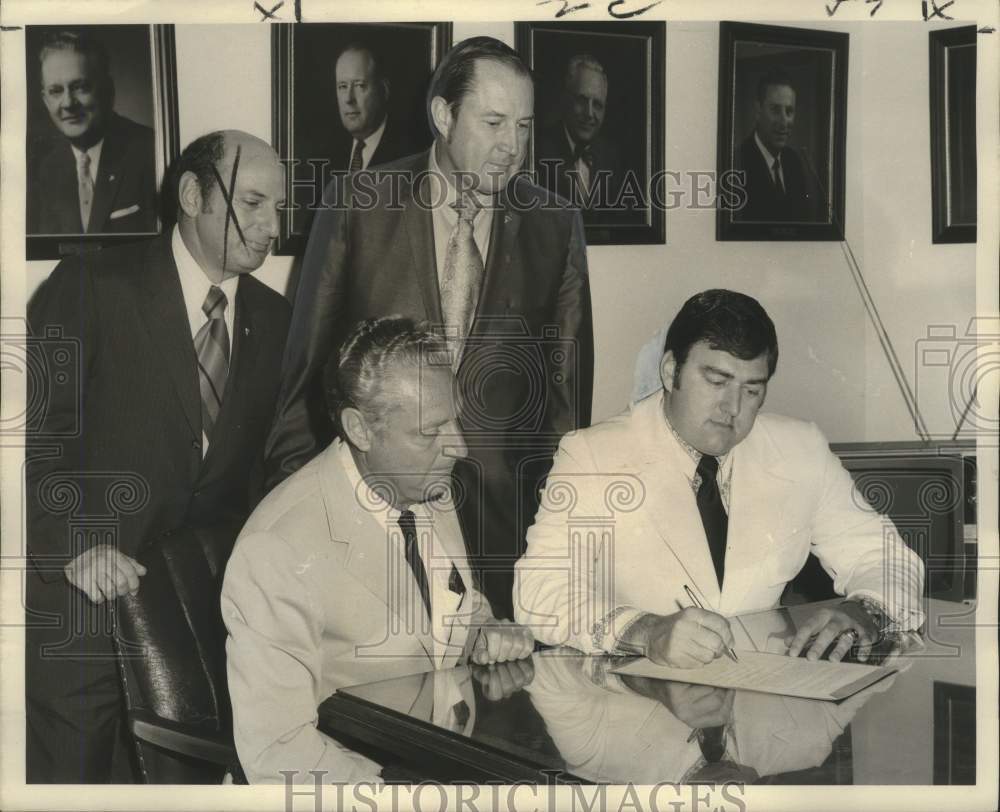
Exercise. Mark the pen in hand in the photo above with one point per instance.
(694, 599)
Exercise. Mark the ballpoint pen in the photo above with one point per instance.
(694, 599)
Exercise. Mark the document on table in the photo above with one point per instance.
(769, 673)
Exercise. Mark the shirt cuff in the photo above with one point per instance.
(904, 616)
(606, 633)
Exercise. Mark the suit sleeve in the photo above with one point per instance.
(64, 336)
(572, 379)
(274, 666)
(860, 549)
(301, 425)
(563, 582)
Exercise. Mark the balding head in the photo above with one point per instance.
(230, 187)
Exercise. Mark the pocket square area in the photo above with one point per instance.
(124, 212)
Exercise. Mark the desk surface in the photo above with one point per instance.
(562, 714)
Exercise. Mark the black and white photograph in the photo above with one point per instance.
(366, 444)
(348, 97)
(99, 134)
(598, 128)
(782, 109)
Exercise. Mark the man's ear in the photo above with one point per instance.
(668, 366)
(189, 194)
(356, 428)
(442, 116)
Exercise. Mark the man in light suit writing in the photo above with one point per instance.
(354, 569)
(719, 501)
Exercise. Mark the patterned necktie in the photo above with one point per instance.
(776, 172)
(86, 187)
(463, 273)
(356, 156)
(408, 524)
(713, 513)
(211, 344)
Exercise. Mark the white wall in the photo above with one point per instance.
(832, 369)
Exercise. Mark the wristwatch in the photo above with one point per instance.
(882, 622)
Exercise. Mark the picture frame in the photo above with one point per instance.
(953, 134)
(782, 96)
(135, 119)
(617, 193)
(307, 129)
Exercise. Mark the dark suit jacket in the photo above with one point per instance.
(558, 173)
(800, 203)
(116, 457)
(395, 144)
(528, 369)
(124, 195)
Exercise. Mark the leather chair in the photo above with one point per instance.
(170, 642)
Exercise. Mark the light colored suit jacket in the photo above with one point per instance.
(315, 598)
(619, 531)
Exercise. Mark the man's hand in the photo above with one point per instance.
(695, 705)
(686, 639)
(103, 574)
(503, 679)
(831, 624)
(500, 642)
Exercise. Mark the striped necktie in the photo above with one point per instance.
(356, 157)
(408, 524)
(212, 347)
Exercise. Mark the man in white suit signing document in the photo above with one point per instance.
(693, 497)
(354, 569)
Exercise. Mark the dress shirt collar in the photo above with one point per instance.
(195, 285)
(439, 177)
(371, 144)
(689, 451)
(95, 157)
(769, 159)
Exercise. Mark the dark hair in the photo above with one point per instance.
(454, 75)
(355, 376)
(376, 56)
(201, 156)
(727, 320)
(772, 78)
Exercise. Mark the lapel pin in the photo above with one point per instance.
(111, 177)
(246, 331)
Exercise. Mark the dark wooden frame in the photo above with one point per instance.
(282, 106)
(943, 186)
(951, 700)
(165, 125)
(653, 230)
(730, 33)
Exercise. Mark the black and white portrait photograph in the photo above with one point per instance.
(782, 105)
(598, 128)
(98, 133)
(348, 97)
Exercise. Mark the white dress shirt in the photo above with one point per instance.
(194, 287)
(769, 159)
(95, 158)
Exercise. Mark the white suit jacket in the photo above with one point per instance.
(315, 598)
(619, 533)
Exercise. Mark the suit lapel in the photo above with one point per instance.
(165, 320)
(420, 228)
(108, 177)
(62, 192)
(503, 239)
(372, 559)
(759, 493)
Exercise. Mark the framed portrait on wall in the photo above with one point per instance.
(101, 133)
(782, 133)
(347, 96)
(599, 122)
(953, 134)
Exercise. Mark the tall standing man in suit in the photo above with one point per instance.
(98, 175)
(777, 182)
(458, 238)
(363, 103)
(720, 499)
(179, 351)
(573, 158)
(363, 548)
